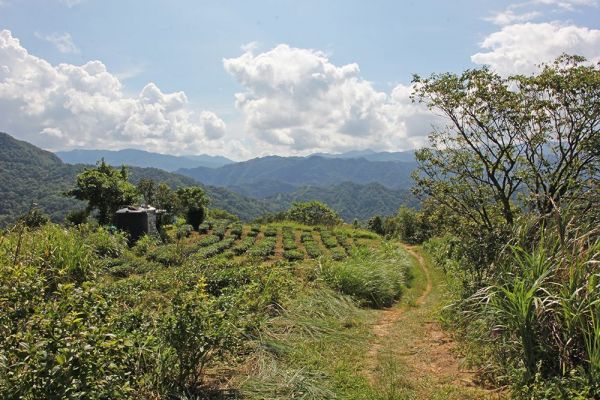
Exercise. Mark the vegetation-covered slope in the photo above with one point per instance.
(301, 171)
(30, 174)
(349, 199)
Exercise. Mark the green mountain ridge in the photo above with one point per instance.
(306, 171)
(29, 174)
(141, 158)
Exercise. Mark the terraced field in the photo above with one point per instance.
(269, 243)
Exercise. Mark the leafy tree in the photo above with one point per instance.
(77, 217)
(217, 213)
(35, 218)
(534, 136)
(313, 213)
(147, 188)
(375, 224)
(165, 198)
(192, 201)
(105, 189)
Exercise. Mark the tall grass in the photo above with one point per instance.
(375, 278)
(540, 317)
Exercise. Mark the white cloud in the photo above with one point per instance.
(520, 48)
(62, 41)
(295, 100)
(529, 10)
(65, 106)
(509, 16)
(568, 5)
(71, 3)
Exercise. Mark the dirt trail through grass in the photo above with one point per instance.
(411, 356)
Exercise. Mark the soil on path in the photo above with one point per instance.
(410, 344)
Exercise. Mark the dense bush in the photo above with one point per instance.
(289, 238)
(147, 332)
(208, 240)
(198, 328)
(537, 319)
(236, 230)
(328, 239)
(214, 249)
(105, 243)
(312, 248)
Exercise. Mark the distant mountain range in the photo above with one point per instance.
(372, 155)
(140, 158)
(258, 177)
(30, 174)
(354, 187)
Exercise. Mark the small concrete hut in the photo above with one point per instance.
(137, 221)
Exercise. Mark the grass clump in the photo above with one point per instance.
(376, 279)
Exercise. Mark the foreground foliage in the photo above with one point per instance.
(512, 183)
(85, 316)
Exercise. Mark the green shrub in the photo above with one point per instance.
(145, 244)
(271, 231)
(264, 248)
(214, 249)
(208, 240)
(312, 248)
(338, 253)
(289, 238)
(344, 240)
(328, 239)
(59, 255)
(105, 243)
(198, 329)
(293, 255)
(244, 245)
(68, 348)
(203, 228)
(167, 255)
(236, 230)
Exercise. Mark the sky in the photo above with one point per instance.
(252, 78)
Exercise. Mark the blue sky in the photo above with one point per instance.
(248, 78)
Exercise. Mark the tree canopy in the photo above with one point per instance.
(105, 189)
(313, 213)
(512, 144)
(192, 201)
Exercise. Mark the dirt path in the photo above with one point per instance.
(411, 351)
(391, 316)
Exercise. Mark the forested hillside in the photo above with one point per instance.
(349, 199)
(301, 171)
(30, 174)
